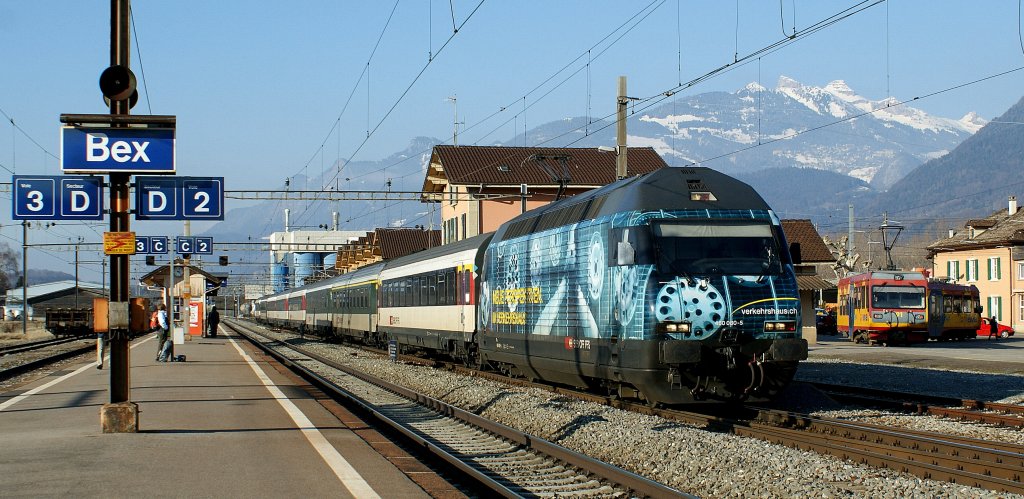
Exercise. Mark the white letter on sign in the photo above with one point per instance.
(97, 142)
(140, 151)
(153, 206)
(120, 151)
(79, 201)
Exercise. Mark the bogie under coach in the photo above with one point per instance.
(672, 287)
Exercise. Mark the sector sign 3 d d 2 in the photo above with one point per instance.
(123, 150)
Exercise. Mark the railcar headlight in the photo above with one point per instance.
(769, 326)
(672, 328)
(684, 327)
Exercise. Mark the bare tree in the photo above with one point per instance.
(8, 267)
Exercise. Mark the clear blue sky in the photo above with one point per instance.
(257, 86)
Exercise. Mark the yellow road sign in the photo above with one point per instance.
(118, 243)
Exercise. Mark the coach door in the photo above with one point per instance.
(936, 315)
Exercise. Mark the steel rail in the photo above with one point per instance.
(613, 474)
(962, 409)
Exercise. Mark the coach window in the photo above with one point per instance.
(430, 287)
(442, 289)
(450, 281)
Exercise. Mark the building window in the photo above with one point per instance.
(994, 271)
(463, 226)
(1020, 309)
(995, 307)
(953, 270)
(972, 270)
(1020, 272)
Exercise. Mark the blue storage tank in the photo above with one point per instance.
(278, 276)
(329, 260)
(305, 264)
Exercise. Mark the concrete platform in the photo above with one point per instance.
(225, 423)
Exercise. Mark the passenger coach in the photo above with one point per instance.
(428, 298)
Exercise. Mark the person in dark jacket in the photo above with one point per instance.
(993, 328)
(212, 320)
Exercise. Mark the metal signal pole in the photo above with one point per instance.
(120, 415)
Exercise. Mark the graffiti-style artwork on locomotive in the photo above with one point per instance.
(573, 286)
(637, 292)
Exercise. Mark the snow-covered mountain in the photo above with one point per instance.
(828, 128)
(788, 128)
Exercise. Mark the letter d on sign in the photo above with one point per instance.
(157, 201)
(79, 201)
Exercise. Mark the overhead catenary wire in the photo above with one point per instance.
(138, 52)
(401, 97)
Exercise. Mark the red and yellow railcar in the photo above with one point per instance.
(883, 306)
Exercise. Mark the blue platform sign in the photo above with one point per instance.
(127, 150)
(204, 246)
(179, 198)
(202, 198)
(156, 198)
(185, 245)
(142, 245)
(158, 245)
(42, 197)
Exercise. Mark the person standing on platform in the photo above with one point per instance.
(162, 336)
(212, 320)
(154, 327)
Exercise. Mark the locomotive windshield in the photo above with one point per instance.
(897, 297)
(724, 249)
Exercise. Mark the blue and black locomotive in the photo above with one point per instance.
(672, 287)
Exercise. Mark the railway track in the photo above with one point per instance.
(508, 462)
(33, 345)
(978, 463)
(29, 357)
(994, 413)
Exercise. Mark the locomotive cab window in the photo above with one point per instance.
(717, 249)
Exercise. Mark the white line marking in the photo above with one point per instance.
(348, 476)
(38, 389)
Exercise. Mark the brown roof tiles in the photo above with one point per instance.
(812, 248)
(494, 165)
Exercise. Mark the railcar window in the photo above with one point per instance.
(897, 297)
(450, 282)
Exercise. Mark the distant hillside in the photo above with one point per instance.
(40, 276)
(971, 181)
(809, 192)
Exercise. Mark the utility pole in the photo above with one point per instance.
(24, 277)
(76, 270)
(620, 151)
(455, 135)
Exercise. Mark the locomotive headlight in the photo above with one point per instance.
(672, 328)
(780, 326)
(684, 327)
